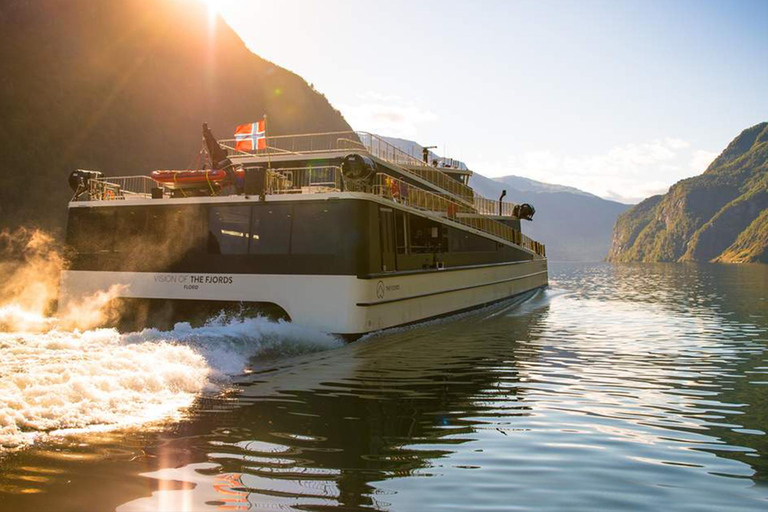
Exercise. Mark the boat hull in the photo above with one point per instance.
(339, 304)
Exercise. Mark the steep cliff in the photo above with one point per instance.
(123, 86)
(717, 216)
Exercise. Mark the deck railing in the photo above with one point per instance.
(311, 180)
(120, 188)
(485, 206)
(403, 193)
(305, 180)
(361, 141)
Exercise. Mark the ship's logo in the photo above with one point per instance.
(380, 290)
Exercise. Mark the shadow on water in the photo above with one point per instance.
(625, 386)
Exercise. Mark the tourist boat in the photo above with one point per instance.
(342, 232)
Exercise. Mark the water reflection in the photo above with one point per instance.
(638, 387)
(323, 429)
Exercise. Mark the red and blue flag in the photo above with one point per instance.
(251, 136)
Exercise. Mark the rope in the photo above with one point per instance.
(175, 174)
(209, 183)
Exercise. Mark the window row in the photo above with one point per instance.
(273, 229)
(231, 229)
(415, 234)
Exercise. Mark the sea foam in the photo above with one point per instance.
(56, 381)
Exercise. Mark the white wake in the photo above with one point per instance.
(56, 381)
(61, 374)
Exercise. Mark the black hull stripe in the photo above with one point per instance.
(500, 281)
(381, 275)
(353, 337)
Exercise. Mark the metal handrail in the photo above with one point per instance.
(403, 193)
(312, 143)
(323, 179)
(398, 190)
(485, 206)
(120, 187)
(305, 180)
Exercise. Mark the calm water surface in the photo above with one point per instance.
(638, 387)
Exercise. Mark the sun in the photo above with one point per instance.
(214, 6)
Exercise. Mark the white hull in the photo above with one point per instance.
(336, 304)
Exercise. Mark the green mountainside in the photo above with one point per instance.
(123, 86)
(721, 215)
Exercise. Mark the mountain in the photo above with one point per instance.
(574, 225)
(719, 216)
(123, 86)
(529, 185)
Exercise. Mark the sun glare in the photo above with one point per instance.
(214, 6)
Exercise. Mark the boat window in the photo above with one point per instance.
(315, 229)
(158, 232)
(426, 235)
(229, 228)
(184, 230)
(462, 241)
(91, 230)
(401, 228)
(131, 226)
(271, 229)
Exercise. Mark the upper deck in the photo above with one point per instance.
(310, 164)
(340, 144)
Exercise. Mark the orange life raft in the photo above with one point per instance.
(190, 178)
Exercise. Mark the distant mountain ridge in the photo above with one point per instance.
(528, 185)
(719, 216)
(575, 225)
(123, 86)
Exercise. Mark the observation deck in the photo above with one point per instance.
(411, 182)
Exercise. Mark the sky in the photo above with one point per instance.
(618, 98)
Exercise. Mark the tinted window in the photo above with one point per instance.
(401, 225)
(271, 229)
(91, 230)
(180, 230)
(426, 235)
(131, 229)
(229, 227)
(145, 231)
(461, 241)
(315, 229)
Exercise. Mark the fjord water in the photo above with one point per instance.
(638, 387)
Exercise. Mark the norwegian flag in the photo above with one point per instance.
(251, 136)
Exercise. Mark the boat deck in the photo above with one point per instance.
(411, 183)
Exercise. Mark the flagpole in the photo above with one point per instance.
(266, 139)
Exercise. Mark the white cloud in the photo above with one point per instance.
(701, 159)
(385, 114)
(379, 97)
(628, 173)
(677, 143)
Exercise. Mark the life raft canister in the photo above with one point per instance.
(189, 178)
